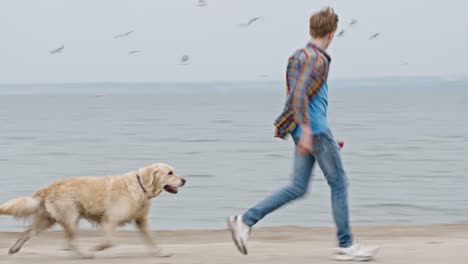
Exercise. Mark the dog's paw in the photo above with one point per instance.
(102, 247)
(86, 256)
(160, 253)
(13, 250)
(66, 249)
(81, 255)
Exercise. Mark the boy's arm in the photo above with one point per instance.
(292, 74)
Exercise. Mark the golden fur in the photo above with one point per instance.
(109, 201)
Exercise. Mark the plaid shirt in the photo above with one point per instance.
(307, 71)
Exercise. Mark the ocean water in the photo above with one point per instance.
(406, 147)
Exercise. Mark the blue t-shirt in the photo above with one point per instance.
(317, 113)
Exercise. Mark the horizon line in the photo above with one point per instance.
(448, 78)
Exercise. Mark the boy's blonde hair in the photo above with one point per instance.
(323, 23)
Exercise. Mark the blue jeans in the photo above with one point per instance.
(327, 153)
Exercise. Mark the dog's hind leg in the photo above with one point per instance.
(70, 227)
(39, 224)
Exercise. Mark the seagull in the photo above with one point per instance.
(353, 22)
(124, 34)
(184, 60)
(133, 52)
(250, 21)
(57, 50)
(341, 34)
(202, 3)
(374, 36)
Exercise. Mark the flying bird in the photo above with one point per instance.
(133, 52)
(353, 22)
(202, 3)
(184, 60)
(341, 33)
(251, 21)
(374, 36)
(124, 34)
(57, 50)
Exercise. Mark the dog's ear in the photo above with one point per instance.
(155, 177)
(146, 175)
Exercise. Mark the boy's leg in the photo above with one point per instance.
(240, 225)
(303, 165)
(328, 157)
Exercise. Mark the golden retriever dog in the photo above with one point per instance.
(109, 201)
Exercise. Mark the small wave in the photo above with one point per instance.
(385, 155)
(274, 155)
(403, 206)
(443, 171)
(412, 148)
(200, 176)
(20, 138)
(222, 121)
(455, 136)
(192, 153)
(56, 153)
(87, 140)
(200, 140)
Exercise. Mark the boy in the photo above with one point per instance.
(305, 118)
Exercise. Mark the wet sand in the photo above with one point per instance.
(425, 244)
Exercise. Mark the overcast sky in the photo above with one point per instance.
(430, 35)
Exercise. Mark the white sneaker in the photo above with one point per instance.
(240, 232)
(355, 252)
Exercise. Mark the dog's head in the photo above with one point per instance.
(159, 177)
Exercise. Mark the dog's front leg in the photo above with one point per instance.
(108, 228)
(156, 250)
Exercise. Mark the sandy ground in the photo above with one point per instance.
(399, 244)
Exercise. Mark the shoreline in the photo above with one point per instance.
(403, 230)
(279, 234)
(429, 244)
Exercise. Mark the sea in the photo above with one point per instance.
(405, 152)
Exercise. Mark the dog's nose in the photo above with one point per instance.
(183, 181)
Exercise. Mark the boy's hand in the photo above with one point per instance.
(305, 144)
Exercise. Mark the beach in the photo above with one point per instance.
(288, 244)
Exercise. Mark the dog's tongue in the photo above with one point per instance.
(170, 189)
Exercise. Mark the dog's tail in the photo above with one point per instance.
(21, 207)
